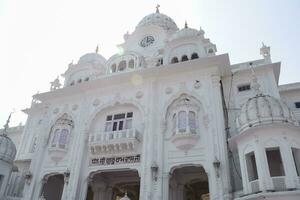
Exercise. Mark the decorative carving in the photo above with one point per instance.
(117, 98)
(28, 177)
(67, 176)
(168, 90)
(55, 84)
(74, 107)
(206, 121)
(197, 84)
(55, 111)
(139, 94)
(96, 102)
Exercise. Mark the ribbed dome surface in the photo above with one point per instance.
(7, 149)
(185, 33)
(92, 58)
(263, 109)
(158, 19)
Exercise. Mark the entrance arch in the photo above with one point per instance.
(112, 185)
(189, 183)
(53, 187)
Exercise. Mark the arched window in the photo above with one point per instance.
(113, 68)
(192, 121)
(33, 145)
(122, 65)
(194, 56)
(55, 137)
(63, 138)
(174, 124)
(184, 58)
(182, 121)
(131, 64)
(210, 51)
(174, 60)
(61, 134)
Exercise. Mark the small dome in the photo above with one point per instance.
(7, 149)
(125, 197)
(160, 20)
(263, 109)
(92, 58)
(185, 33)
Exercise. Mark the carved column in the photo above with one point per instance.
(180, 191)
(291, 177)
(109, 192)
(265, 180)
(165, 184)
(220, 150)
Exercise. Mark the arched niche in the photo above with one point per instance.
(100, 119)
(188, 182)
(184, 52)
(60, 137)
(183, 121)
(53, 185)
(116, 129)
(127, 61)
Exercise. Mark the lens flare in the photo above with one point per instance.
(136, 79)
(120, 51)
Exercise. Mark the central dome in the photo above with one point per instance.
(160, 20)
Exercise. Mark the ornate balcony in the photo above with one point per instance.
(114, 141)
(185, 139)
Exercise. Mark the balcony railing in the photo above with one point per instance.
(279, 183)
(254, 186)
(114, 141)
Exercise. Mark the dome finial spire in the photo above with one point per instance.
(185, 24)
(157, 8)
(6, 126)
(97, 48)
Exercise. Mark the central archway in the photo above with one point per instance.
(53, 188)
(189, 183)
(112, 185)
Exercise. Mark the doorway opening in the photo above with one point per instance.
(189, 183)
(53, 188)
(114, 185)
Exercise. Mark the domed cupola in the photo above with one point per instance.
(92, 58)
(7, 147)
(88, 68)
(263, 109)
(186, 32)
(158, 19)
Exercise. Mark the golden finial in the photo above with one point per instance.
(157, 8)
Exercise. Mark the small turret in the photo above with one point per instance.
(266, 53)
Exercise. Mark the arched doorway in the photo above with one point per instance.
(112, 185)
(53, 187)
(189, 183)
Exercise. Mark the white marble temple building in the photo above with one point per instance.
(166, 118)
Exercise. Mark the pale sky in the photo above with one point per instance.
(39, 38)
